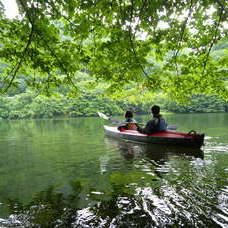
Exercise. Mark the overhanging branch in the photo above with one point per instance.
(214, 39)
(15, 70)
(183, 27)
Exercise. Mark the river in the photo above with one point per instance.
(66, 173)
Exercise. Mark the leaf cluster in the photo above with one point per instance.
(112, 41)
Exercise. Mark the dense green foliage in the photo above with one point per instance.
(32, 106)
(151, 46)
(29, 105)
(199, 103)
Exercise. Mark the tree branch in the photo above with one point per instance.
(15, 70)
(213, 40)
(222, 6)
(60, 63)
(183, 27)
(131, 40)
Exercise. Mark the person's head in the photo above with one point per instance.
(155, 109)
(128, 114)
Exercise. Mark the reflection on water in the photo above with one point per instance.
(131, 150)
(167, 187)
(146, 203)
(82, 179)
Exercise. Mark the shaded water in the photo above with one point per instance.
(66, 173)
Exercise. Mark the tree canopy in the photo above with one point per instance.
(148, 45)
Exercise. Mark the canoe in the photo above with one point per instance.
(191, 139)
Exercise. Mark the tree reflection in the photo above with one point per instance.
(48, 208)
(52, 208)
(130, 199)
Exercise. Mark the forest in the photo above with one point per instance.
(74, 58)
(28, 105)
(24, 102)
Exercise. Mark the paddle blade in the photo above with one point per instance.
(171, 127)
(103, 116)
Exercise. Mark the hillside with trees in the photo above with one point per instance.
(24, 102)
(48, 101)
(133, 46)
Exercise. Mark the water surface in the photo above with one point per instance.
(65, 172)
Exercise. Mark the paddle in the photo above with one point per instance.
(105, 117)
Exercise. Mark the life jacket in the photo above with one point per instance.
(131, 126)
(162, 126)
(160, 123)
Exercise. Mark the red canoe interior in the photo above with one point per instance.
(169, 134)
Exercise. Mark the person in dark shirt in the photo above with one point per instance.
(156, 124)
